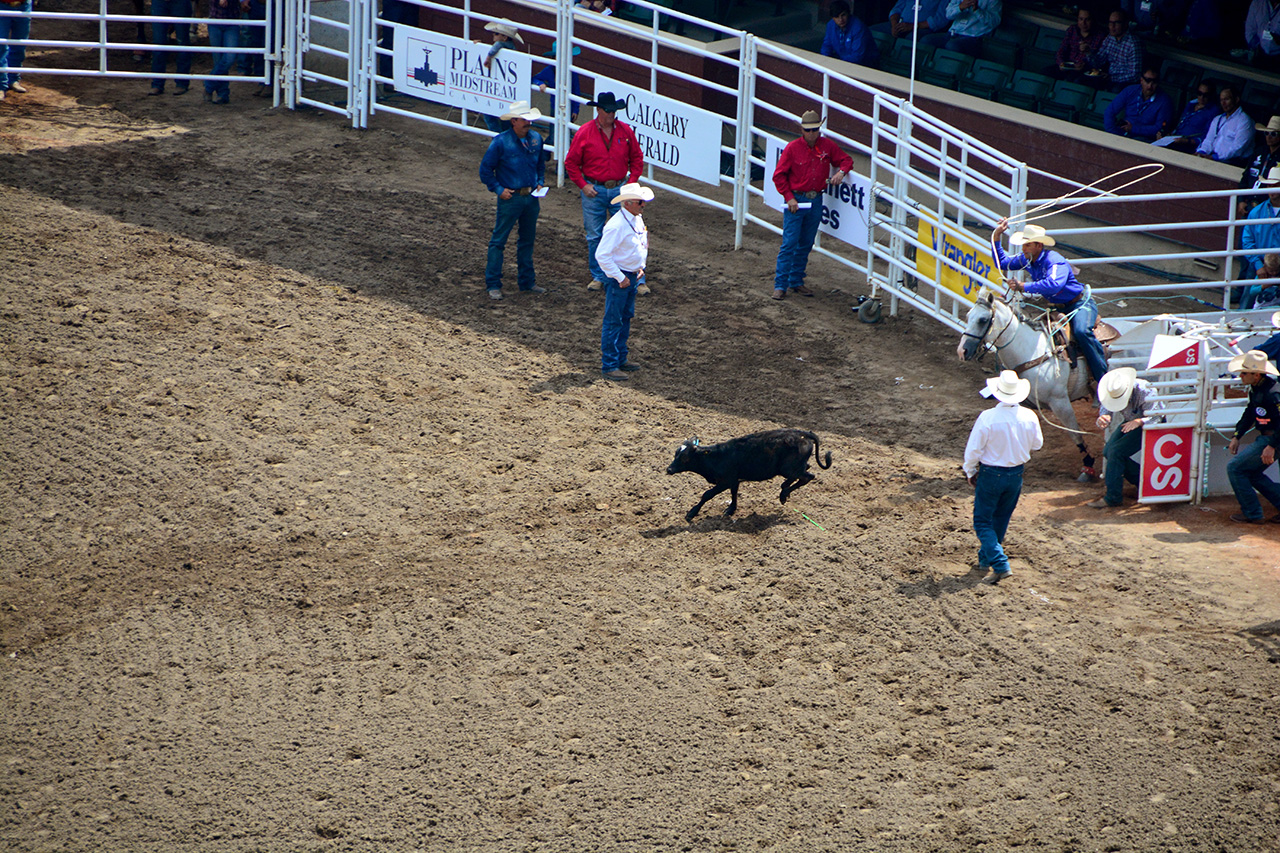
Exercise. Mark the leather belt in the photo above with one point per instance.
(808, 196)
(606, 184)
(522, 190)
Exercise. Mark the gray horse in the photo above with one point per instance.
(1028, 352)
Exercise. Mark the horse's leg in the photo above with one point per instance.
(1061, 406)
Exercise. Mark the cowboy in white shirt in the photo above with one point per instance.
(1000, 443)
(622, 255)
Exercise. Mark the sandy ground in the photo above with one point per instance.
(309, 546)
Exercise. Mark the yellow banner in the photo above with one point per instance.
(972, 256)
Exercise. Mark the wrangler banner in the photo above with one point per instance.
(974, 257)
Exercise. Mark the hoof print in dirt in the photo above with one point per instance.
(760, 456)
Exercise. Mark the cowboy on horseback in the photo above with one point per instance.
(1053, 278)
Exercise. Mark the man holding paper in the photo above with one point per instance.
(514, 170)
(802, 175)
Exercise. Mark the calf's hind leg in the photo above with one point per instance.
(789, 486)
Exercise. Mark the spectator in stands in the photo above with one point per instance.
(1230, 135)
(1118, 62)
(604, 7)
(1150, 17)
(971, 21)
(505, 35)
(848, 38)
(546, 78)
(1255, 172)
(902, 18)
(1082, 40)
(1262, 33)
(801, 176)
(17, 27)
(160, 38)
(1260, 238)
(604, 152)
(224, 33)
(1247, 470)
(1141, 111)
(1201, 109)
(1203, 28)
(1270, 298)
(513, 169)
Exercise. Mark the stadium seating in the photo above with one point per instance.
(1093, 116)
(945, 68)
(1026, 90)
(1067, 101)
(985, 79)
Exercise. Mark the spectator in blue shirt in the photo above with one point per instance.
(848, 38)
(546, 78)
(1189, 132)
(971, 22)
(1141, 111)
(902, 18)
(1260, 237)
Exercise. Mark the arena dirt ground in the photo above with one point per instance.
(309, 546)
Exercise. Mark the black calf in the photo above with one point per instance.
(759, 456)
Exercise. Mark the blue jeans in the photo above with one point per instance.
(996, 492)
(1119, 466)
(798, 232)
(222, 35)
(160, 38)
(1247, 473)
(15, 55)
(522, 209)
(619, 308)
(595, 213)
(253, 65)
(1082, 323)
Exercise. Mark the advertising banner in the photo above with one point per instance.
(451, 71)
(975, 257)
(1166, 464)
(1175, 352)
(844, 206)
(673, 135)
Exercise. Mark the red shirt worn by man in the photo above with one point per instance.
(807, 168)
(597, 157)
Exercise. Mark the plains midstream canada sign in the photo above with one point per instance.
(844, 206)
(971, 256)
(451, 71)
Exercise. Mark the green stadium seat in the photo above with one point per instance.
(945, 68)
(985, 79)
(1067, 101)
(1092, 117)
(1026, 90)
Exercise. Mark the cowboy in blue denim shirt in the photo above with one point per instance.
(1053, 278)
(513, 168)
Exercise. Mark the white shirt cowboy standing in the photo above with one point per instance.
(1000, 443)
(622, 255)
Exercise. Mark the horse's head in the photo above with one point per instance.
(979, 324)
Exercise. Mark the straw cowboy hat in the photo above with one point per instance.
(1272, 179)
(1008, 388)
(1031, 234)
(810, 120)
(1116, 388)
(634, 192)
(1254, 361)
(521, 109)
(505, 27)
(1273, 125)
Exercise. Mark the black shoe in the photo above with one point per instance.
(631, 367)
(615, 375)
(1241, 518)
(535, 289)
(180, 90)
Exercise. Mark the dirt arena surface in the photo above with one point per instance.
(309, 546)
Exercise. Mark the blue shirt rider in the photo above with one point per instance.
(1053, 278)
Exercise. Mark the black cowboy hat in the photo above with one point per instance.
(607, 102)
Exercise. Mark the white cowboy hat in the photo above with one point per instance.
(1275, 319)
(634, 192)
(1272, 179)
(521, 109)
(810, 120)
(1273, 125)
(1116, 388)
(1031, 234)
(1008, 388)
(505, 27)
(1254, 361)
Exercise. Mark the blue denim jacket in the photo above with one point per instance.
(512, 162)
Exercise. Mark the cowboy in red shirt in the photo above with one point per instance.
(802, 175)
(603, 156)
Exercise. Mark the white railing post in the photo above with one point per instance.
(744, 134)
(564, 84)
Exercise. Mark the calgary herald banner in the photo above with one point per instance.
(451, 71)
(673, 135)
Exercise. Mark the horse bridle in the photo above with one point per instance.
(995, 342)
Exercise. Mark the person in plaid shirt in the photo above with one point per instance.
(1118, 61)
